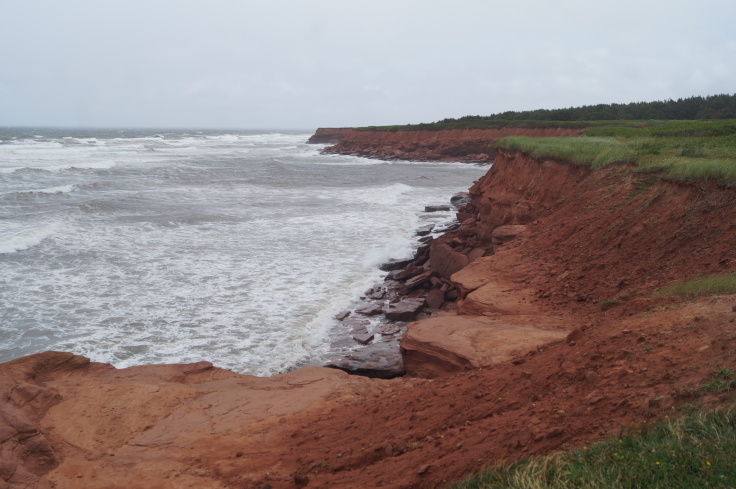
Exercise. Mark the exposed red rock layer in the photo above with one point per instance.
(327, 135)
(445, 145)
(504, 384)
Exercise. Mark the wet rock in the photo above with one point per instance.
(359, 330)
(404, 310)
(394, 264)
(425, 230)
(435, 298)
(460, 199)
(426, 239)
(408, 272)
(370, 309)
(389, 330)
(415, 282)
(340, 316)
(375, 293)
(377, 360)
(364, 338)
(437, 208)
(355, 322)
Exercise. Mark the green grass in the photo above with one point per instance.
(682, 150)
(702, 286)
(694, 451)
(722, 380)
(697, 150)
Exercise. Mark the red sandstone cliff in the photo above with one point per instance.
(447, 145)
(559, 240)
(328, 135)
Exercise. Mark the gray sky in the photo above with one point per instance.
(310, 63)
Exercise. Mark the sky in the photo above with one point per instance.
(303, 64)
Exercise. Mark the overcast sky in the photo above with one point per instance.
(310, 63)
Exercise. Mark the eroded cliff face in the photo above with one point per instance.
(529, 361)
(328, 135)
(445, 145)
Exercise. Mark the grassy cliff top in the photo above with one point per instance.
(702, 150)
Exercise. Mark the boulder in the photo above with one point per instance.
(342, 315)
(447, 345)
(435, 298)
(407, 273)
(446, 261)
(418, 280)
(394, 264)
(378, 360)
(404, 310)
(425, 230)
(460, 199)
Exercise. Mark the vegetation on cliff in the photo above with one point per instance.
(691, 451)
(685, 150)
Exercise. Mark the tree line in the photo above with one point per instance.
(721, 106)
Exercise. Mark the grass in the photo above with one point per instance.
(693, 451)
(722, 380)
(702, 286)
(681, 150)
(698, 150)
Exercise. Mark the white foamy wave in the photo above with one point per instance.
(54, 190)
(399, 247)
(18, 240)
(381, 195)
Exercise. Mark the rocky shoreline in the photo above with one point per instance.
(412, 289)
(554, 341)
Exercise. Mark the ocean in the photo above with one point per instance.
(134, 246)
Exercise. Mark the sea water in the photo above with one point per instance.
(238, 247)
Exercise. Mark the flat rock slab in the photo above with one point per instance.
(378, 360)
(363, 338)
(405, 310)
(394, 264)
(355, 322)
(138, 426)
(448, 345)
(437, 208)
(370, 310)
(425, 230)
(496, 298)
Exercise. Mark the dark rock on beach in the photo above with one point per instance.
(437, 208)
(378, 360)
(404, 310)
(394, 264)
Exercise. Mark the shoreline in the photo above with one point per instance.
(555, 342)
